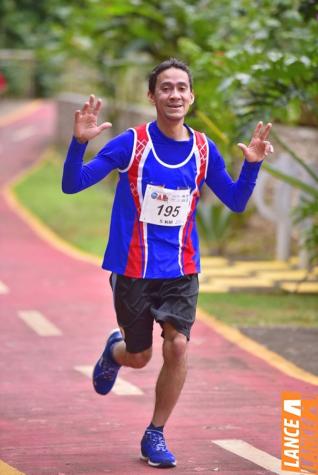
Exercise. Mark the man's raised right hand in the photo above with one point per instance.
(85, 122)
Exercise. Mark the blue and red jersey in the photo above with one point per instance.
(142, 156)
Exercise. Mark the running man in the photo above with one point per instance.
(153, 247)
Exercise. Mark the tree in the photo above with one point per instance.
(41, 28)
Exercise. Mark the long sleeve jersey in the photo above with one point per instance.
(159, 178)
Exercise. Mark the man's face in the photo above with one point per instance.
(172, 96)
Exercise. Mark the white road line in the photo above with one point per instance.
(121, 387)
(249, 452)
(197, 341)
(41, 325)
(3, 288)
(23, 133)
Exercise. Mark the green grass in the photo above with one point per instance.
(83, 220)
(250, 309)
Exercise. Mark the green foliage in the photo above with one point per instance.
(19, 77)
(249, 59)
(214, 224)
(39, 27)
(307, 211)
(258, 66)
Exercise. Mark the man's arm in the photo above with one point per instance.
(116, 154)
(76, 175)
(235, 194)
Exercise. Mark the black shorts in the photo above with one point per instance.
(138, 302)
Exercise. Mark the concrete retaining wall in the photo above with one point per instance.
(122, 117)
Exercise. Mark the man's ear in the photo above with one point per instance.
(151, 97)
(192, 98)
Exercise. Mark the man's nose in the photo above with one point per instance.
(175, 93)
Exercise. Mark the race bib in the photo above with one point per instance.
(165, 207)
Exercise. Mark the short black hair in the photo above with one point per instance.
(167, 64)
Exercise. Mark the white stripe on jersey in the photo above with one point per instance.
(145, 229)
(180, 248)
(139, 188)
(207, 155)
(132, 153)
(198, 165)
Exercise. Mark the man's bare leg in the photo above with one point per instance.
(132, 360)
(172, 375)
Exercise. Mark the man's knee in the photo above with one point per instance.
(175, 344)
(139, 360)
(178, 346)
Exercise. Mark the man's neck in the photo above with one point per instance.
(174, 130)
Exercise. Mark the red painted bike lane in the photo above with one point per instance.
(52, 422)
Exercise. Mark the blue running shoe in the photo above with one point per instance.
(154, 450)
(106, 369)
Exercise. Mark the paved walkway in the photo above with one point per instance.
(55, 312)
(223, 275)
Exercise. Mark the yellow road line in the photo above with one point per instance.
(20, 113)
(256, 349)
(6, 469)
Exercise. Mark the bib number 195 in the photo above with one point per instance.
(169, 210)
(165, 207)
